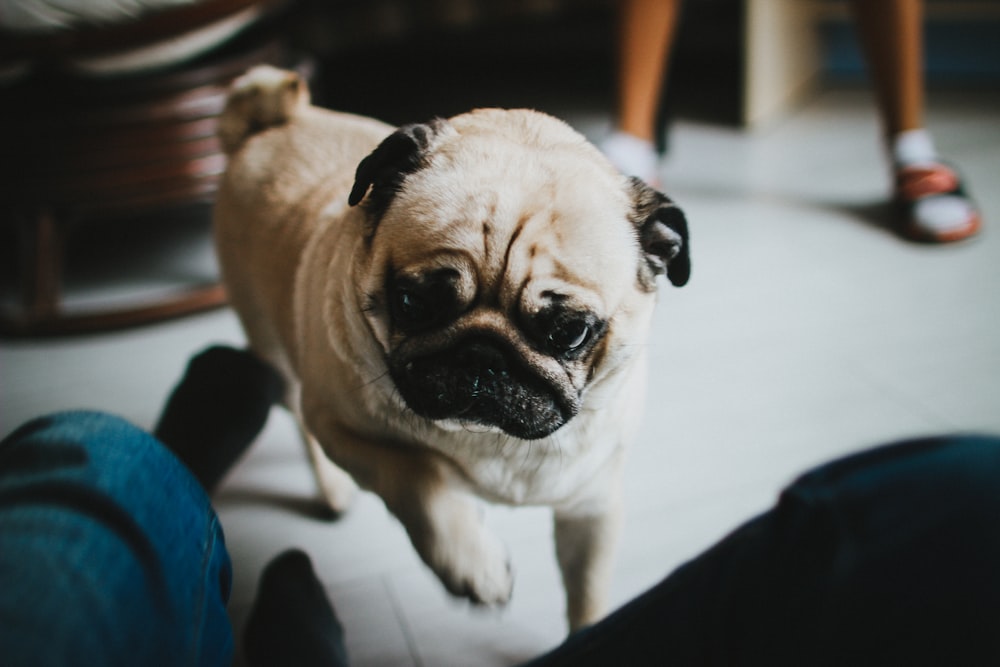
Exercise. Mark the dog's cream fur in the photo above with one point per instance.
(524, 207)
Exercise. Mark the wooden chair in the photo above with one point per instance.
(76, 149)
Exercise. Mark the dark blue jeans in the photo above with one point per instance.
(887, 557)
(110, 554)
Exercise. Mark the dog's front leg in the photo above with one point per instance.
(587, 533)
(426, 494)
(585, 547)
(445, 525)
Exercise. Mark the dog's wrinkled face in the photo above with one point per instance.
(509, 267)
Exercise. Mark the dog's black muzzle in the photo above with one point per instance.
(482, 381)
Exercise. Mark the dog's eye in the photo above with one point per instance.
(412, 310)
(425, 300)
(569, 336)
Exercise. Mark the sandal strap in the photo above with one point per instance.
(914, 183)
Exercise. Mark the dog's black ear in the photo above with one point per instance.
(663, 236)
(402, 152)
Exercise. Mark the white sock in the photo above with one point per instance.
(913, 147)
(632, 156)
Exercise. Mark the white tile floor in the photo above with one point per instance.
(807, 332)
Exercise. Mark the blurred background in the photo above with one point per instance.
(110, 106)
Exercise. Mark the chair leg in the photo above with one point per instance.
(42, 239)
(42, 268)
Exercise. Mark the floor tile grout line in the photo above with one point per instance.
(401, 619)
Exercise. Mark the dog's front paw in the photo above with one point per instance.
(469, 560)
(477, 568)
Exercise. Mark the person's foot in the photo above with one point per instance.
(292, 621)
(632, 156)
(217, 409)
(932, 205)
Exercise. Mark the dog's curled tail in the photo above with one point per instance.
(263, 97)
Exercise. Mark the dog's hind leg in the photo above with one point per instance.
(338, 487)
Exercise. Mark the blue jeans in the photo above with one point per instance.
(887, 557)
(110, 553)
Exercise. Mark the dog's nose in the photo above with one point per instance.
(484, 357)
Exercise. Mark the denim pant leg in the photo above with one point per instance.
(887, 557)
(110, 552)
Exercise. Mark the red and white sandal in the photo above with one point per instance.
(932, 205)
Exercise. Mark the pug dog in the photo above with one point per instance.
(461, 311)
